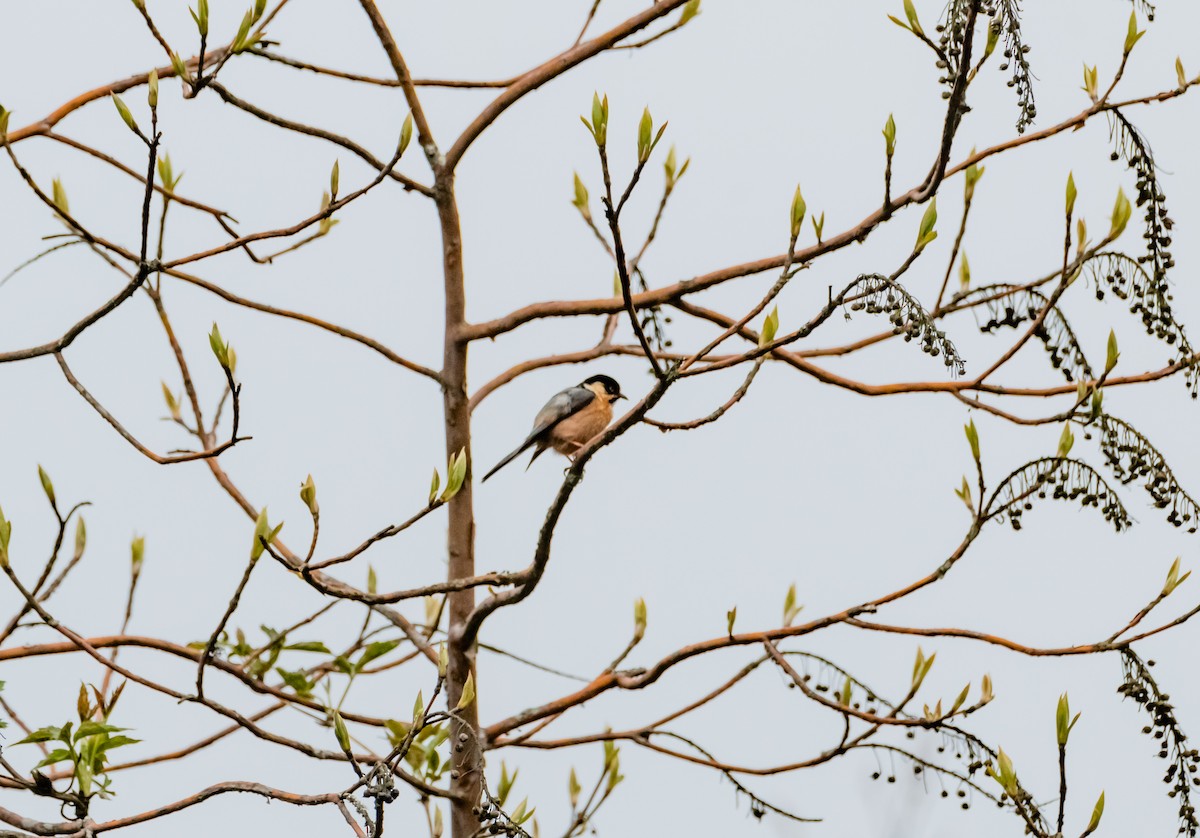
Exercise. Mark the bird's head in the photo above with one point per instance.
(604, 387)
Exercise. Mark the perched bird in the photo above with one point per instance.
(570, 420)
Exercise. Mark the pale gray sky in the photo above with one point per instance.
(847, 497)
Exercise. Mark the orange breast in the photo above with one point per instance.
(572, 433)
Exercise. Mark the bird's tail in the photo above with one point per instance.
(524, 445)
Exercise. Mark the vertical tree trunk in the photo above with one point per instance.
(467, 763)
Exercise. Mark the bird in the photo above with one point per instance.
(570, 420)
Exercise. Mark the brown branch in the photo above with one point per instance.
(213, 791)
(170, 459)
(341, 331)
(716, 414)
(424, 134)
(339, 74)
(384, 169)
(549, 70)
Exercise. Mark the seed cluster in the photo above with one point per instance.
(1182, 772)
(1131, 457)
(1006, 17)
(952, 36)
(878, 294)
(1148, 288)
(1058, 479)
(493, 821)
(1009, 306)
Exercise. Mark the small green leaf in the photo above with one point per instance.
(1122, 210)
(964, 494)
(993, 38)
(219, 347)
(152, 89)
(82, 706)
(340, 731)
(1091, 82)
(42, 734)
(790, 608)
(1174, 580)
(201, 16)
(889, 135)
(1132, 36)
(137, 554)
(910, 12)
(456, 474)
(308, 494)
(1113, 355)
(639, 618)
(730, 619)
(818, 224)
(770, 327)
(645, 135)
(581, 197)
(964, 272)
(573, 788)
(334, 178)
(172, 402)
(599, 124)
(927, 233)
(847, 692)
(91, 728)
(1180, 75)
(309, 646)
(80, 537)
(375, 650)
(1062, 720)
(668, 168)
(443, 660)
(57, 755)
(1007, 775)
(47, 485)
(1097, 813)
(799, 208)
(468, 693)
(985, 690)
(58, 194)
(123, 110)
(958, 702)
(971, 178)
(434, 485)
(241, 40)
(921, 668)
(264, 535)
(1072, 193)
(506, 783)
(372, 580)
(972, 438)
(5, 535)
(1066, 441)
(690, 10)
(166, 172)
(179, 67)
(406, 131)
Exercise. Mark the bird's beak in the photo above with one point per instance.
(622, 396)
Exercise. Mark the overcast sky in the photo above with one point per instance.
(845, 496)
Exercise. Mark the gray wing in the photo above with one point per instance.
(562, 405)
